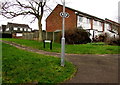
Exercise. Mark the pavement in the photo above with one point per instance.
(90, 68)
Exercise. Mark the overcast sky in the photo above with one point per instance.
(99, 8)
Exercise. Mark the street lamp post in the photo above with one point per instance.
(63, 37)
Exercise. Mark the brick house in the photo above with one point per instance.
(91, 23)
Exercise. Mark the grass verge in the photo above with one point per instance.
(91, 48)
(20, 66)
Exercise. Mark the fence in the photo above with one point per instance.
(31, 35)
(54, 36)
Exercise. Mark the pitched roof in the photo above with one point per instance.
(18, 25)
(112, 22)
(84, 14)
(89, 16)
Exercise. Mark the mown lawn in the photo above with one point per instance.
(90, 48)
(19, 66)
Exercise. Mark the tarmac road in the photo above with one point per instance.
(95, 68)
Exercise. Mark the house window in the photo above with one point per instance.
(107, 26)
(25, 29)
(95, 23)
(7, 29)
(29, 30)
(88, 21)
(21, 29)
(99, 23)
(80, 19)
(15, 28)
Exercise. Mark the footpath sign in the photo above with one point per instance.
(47, 41)
(65, 15)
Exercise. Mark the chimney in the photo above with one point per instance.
(119, 12)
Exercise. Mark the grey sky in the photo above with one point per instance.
(99, 8)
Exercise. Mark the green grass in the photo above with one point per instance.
(0, 63)
(20, 66)
(93, 48)
(90, 48)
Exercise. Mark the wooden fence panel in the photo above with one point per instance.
(54, 36)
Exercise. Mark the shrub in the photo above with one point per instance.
(110, 40)
(113, 41)
(101, 37)
(77, 36)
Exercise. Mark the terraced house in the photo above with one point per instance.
(81, 20)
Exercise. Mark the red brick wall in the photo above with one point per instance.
(54, 20)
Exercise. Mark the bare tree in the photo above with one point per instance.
(14, 8)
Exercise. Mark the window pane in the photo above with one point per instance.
(15, 28)
(80, 19)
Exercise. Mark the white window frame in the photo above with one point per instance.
(25, 29)
(88, 21)
(95, 23)
(15, 28)
(7, 29)
(21, 29)
(29, 30)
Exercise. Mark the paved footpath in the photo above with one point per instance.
(90, 68)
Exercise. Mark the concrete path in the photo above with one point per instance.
(90, 68)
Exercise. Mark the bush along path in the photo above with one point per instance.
(90, 68)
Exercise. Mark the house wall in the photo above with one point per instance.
(54, 20)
